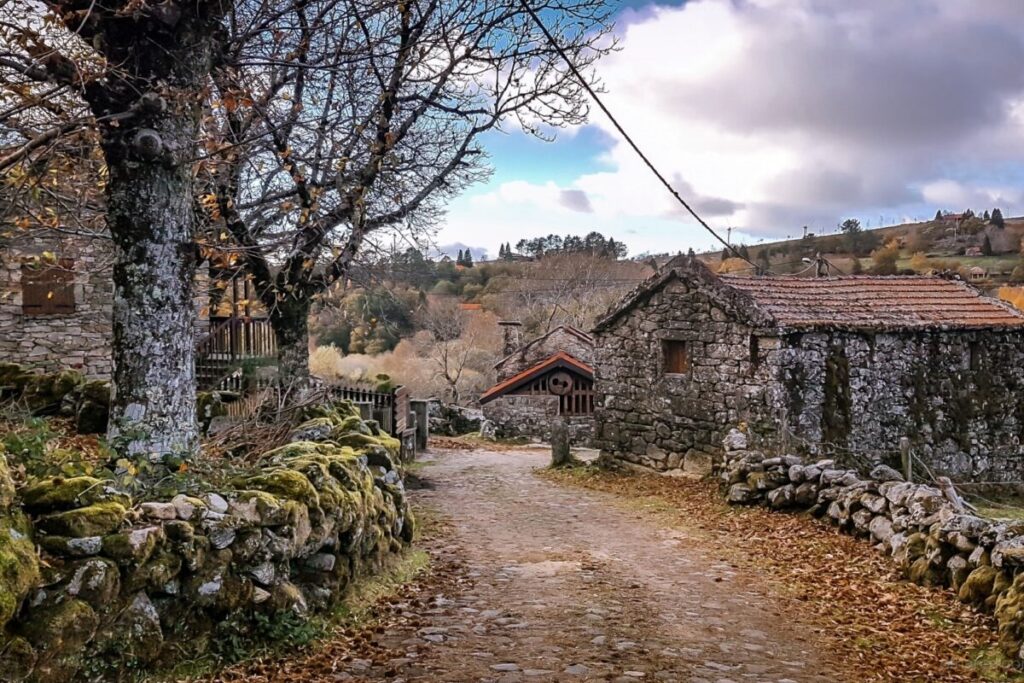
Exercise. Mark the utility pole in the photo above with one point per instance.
(728, 235)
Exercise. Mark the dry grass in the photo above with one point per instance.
(877, 624)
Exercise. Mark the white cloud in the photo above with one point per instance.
(771, 114)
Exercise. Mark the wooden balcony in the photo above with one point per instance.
(231, 345)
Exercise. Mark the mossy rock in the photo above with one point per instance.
(93, 410)
(923, 573)
(62, 628)
(17, 658)
(44, 393)
(1010, 617)
(354, 424)
(285, 483)
(97, 581)
(359, 441)
(13, 379)
(7, 492)
(59, 493)
(93, 520)
(162, 568)
(132, 546)
(19, 565)
(978, 586)
(282, 454)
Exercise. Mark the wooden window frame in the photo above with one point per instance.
(675, 357)
(48, 288)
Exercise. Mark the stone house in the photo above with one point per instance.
(845, 366)
(547, 378)
(56, 308)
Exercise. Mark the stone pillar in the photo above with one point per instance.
(419, 411)
(561, 455)
(511, 336)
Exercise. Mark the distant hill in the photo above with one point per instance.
(979, 250)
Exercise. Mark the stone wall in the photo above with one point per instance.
(517, 415)
(925, 529)
(124, 583)
(955, 395)
(542, 348)
(79, 340)
(662, 421)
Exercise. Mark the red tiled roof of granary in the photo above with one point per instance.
(898, 302)
(560, 359)
(863, 302)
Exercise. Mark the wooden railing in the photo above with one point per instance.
(391, 408)
(228, 346)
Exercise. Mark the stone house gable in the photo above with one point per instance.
(839, 366)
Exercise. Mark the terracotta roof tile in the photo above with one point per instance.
(893, 302)
(560, 359)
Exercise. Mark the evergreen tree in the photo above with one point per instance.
(691, 253)
(744, 254)
(460, 259)
(726, 253)
(986, 246)
(997, 218)
(986, 216)
(467, 260)
(938, 215)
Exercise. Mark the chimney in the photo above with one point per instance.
(510, 336)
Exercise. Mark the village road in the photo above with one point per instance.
(565, 585)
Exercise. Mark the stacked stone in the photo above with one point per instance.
(927, 532)
(129, 583)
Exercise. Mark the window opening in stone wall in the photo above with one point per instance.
(48, 288)
(676, 356)
(755, 353)
(974, 355)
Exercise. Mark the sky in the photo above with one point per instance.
(768, 115)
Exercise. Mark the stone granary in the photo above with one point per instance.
(547, 378)
(847, 366)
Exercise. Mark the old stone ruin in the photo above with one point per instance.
(814, 366)
(926, 529)
(98, 581)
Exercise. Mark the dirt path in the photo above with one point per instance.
(565, 586)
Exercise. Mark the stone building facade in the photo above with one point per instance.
(56, 302)
(546, 379)
(846, 366)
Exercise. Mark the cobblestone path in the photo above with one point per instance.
(562, 585)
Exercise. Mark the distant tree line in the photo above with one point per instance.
(593, 243)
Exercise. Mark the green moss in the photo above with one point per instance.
(978, 586)
(58, 493)
(19, 566)
(131, 546)
(92, 520)
(62, 628)
(285, 483)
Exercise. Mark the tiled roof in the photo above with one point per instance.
(558, 360)
(894, 302)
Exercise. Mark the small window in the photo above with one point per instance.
(755, 353)
(676, 356)
(974, 355)
(48, 288)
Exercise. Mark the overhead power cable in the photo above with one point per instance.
(622, 131)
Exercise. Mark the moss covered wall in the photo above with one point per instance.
(124, 584)
(957, 396)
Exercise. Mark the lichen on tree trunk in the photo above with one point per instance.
(153, 411)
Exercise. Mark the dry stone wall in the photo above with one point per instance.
(541, 349)
(125, 583)
(927, 531)
(524, 415)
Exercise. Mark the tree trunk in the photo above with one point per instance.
(151, 221)
(290, 320)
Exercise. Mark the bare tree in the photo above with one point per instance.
(457, 343)
(368, 117)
